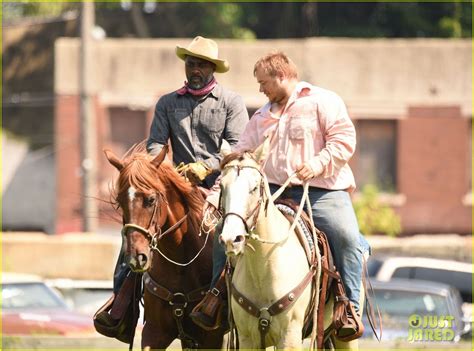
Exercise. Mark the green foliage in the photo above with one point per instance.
(450, 27)
(22, 9)
(373, 216)
(265, 20)
(227, 17)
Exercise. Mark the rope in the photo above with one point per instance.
(210, 223)
(313, 345)
(179, 263)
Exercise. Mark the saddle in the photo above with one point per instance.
(118, 317)
(330, 278)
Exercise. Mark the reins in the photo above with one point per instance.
(154, 238)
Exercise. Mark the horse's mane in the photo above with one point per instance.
(236, 156)
(139, 172)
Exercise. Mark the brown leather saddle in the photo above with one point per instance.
(330, 279)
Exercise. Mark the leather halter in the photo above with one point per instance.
(254, 213)
(153, 236)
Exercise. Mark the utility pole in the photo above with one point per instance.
(88, 121)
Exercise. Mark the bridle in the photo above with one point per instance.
(153, 233)
(253, 215)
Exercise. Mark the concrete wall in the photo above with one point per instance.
(374, 76)
(74, 256)
(86, 256)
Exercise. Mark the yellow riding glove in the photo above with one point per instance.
(195, 172)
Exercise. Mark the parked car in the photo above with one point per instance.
(87, 296)
(29, 306)
(454, 273)
(84, 296)
(399, 300)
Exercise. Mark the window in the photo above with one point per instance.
(127, 127)
(460, 280)
(403, 272)
(376, 154)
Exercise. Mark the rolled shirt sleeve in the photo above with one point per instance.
(340, 136)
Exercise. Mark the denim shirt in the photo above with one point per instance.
(196, 126)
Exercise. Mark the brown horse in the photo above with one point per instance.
(162, 215)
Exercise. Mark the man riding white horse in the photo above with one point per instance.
(311, 135)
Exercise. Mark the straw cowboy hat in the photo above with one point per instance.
(207, 50)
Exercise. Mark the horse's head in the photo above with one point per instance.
(242, 192)
(140, 196)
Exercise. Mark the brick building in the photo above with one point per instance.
(411, 102)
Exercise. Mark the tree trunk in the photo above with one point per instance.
(139, 22)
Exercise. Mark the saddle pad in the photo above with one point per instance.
(301, 225)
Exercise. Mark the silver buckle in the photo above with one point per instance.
(215, 292)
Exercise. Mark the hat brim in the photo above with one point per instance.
(222, 66)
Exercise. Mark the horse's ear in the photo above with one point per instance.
(161, 156)
(225, 148)
(113, 160)
(261, 152)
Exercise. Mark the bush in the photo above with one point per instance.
(373, 216)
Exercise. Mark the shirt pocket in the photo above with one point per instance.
(300, 127)
(180, 120)
(212, 120)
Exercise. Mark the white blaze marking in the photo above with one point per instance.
(131, 193)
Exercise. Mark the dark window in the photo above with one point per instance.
(460, 280)
(376, 158)
(402, 272)
(127, 127)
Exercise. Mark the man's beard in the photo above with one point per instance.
(200, 83)
(277, 98)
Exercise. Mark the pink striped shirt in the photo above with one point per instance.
(315, 128)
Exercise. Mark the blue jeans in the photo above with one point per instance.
(218, 256)
(334, 215)
(121, 268)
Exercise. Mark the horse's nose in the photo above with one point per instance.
(142, 260)
(138, 263)
(239, 238)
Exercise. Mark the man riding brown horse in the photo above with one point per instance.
(195, 120)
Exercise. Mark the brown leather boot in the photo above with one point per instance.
(118, 317)
(347, 323)
(211, 312)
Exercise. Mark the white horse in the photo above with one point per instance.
(269, 260)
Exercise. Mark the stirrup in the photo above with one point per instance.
(210, 312)
(353, 328)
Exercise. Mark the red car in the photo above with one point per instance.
(29, 306)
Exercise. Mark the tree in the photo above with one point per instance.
(373, 216)
(268, 20)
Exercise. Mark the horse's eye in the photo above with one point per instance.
(149, 201)
(254, 189)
